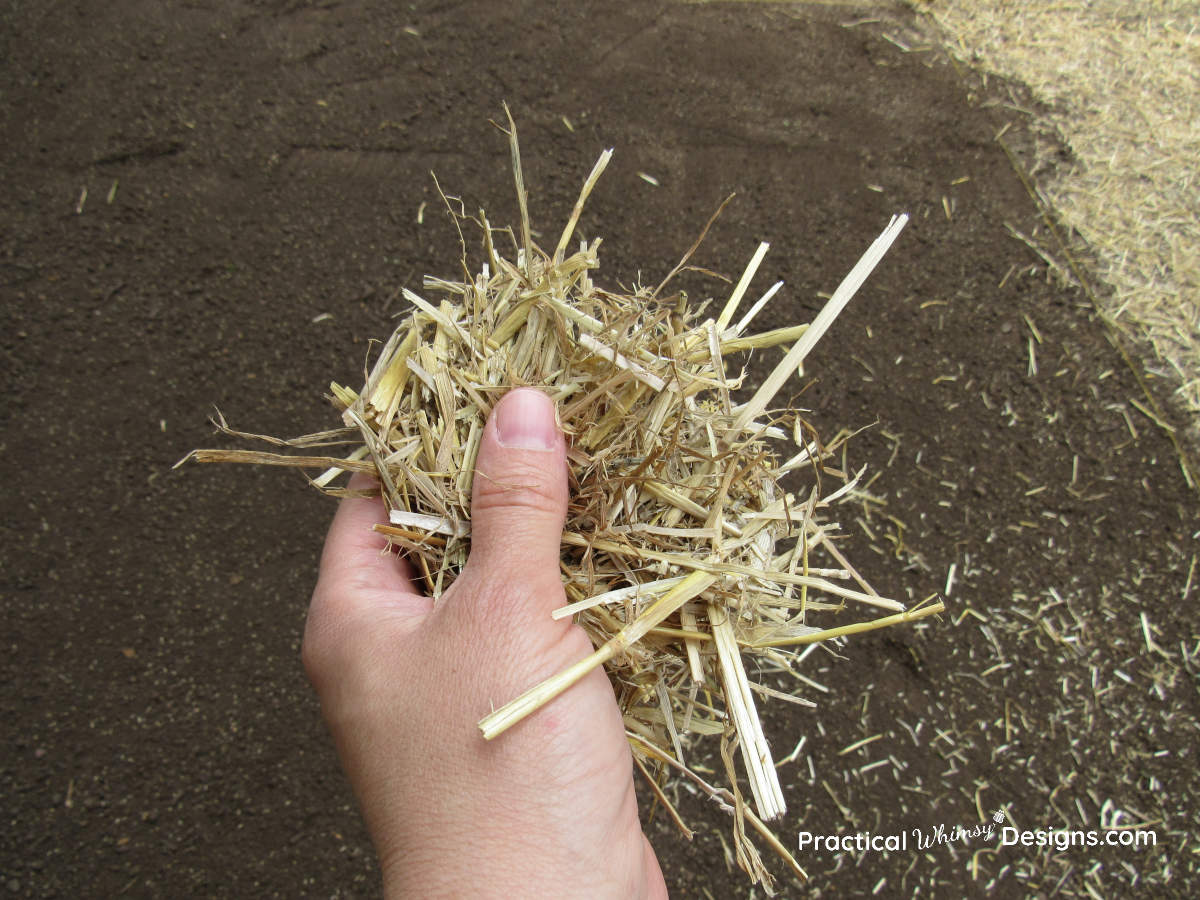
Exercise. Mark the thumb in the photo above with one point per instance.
(519, 496)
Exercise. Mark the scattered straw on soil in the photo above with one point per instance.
(698, 532)
(1121, 80)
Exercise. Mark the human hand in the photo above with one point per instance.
(546, 809)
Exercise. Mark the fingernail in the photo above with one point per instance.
(525, 420)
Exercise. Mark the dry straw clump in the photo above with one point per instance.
(684, 554)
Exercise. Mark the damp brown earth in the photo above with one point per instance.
(217, 205)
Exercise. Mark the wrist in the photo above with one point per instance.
(523, 870)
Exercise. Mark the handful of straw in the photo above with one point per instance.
(683, 552)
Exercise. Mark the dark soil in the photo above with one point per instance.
(250, 166)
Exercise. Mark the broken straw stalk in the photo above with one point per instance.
(684, 551)
(755, 751)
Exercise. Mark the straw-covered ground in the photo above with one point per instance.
(221, 205)
(1119, 83)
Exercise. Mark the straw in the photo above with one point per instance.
(1119, 84)
(697, 544)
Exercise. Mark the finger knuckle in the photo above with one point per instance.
(525, 488)
(319, 649)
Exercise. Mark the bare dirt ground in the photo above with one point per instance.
(252, 166)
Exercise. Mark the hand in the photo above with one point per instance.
(547, 809)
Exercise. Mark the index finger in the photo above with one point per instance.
(356, 556)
